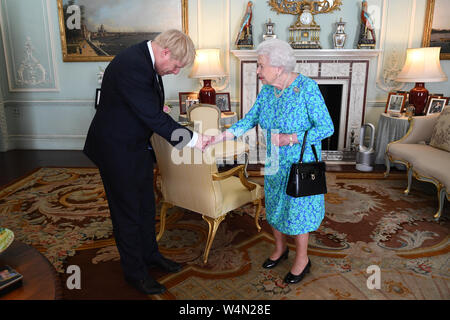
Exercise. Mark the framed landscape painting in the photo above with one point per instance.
(437, 27)
(98, 30)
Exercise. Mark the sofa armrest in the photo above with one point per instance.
(420, 129)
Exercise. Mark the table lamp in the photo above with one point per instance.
(207, 66)
(421, 65)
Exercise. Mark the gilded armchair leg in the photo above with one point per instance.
(213, 225)
(258, 212)
(441, 196)
(162, 219)
(410, 175)
(246, 164)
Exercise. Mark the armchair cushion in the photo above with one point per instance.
(440, 138)
(235, 194)
(432, 163)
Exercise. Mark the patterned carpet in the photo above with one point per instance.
(369, 221)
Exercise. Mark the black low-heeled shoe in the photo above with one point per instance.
(292, 278)
(269, 263)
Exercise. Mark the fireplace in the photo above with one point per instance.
(332, 94)
(342, 76)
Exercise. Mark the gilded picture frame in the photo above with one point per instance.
(437, 27)
(98, 30)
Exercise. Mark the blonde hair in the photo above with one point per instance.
(180, 45)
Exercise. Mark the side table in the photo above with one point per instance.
(40, 280)
(389, 129)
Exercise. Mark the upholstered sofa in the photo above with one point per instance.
(425, 151)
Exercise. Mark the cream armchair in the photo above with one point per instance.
(190, 180)
(423, 160)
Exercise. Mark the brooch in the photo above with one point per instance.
(296, 89)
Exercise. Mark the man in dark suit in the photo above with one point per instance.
(130, 110)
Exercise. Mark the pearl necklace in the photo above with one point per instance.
(282, 90)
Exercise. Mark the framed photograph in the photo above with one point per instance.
(396, 102)
(97, 98)
(223, 101)
(437, 27)
(98, 30)
(436, 105)
(183, 96)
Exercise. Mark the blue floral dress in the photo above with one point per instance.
(301, 107)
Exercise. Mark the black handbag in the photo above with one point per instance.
(307, 178)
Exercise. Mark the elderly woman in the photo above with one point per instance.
(288, 105)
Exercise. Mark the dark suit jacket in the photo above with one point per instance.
(130, 110)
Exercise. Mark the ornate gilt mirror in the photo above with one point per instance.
(304, 33)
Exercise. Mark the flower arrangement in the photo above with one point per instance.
(167, 108)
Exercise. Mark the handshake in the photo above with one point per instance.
(203, 141)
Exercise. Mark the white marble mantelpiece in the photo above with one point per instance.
(348, 67)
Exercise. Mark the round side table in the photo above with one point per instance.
(40, 279)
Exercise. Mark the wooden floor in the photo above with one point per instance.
(18, 163)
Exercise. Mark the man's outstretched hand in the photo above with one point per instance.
(203, 141)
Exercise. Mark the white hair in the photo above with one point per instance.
(279, 53)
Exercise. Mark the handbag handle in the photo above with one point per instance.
(303, 149)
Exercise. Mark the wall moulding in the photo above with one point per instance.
(392, 56)
(3, 129)
(29, 53)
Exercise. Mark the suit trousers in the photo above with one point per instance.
(132, 208)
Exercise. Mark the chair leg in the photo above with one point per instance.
(258, 212)
(441, 196)
(213, 225)
(162, 219)
(410, 175)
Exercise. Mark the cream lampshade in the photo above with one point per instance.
(421, 65)
(207, 66)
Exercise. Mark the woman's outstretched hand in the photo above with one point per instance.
(283, 139)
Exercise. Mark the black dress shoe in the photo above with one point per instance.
(292, 278)
(269, 263)
(147, 286)
(166, 265)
